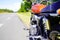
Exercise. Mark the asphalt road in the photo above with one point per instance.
(11, 28)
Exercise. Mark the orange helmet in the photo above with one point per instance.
(37, 8)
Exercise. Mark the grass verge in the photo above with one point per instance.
(25, 17)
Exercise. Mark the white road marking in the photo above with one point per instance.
(1, 25)
(8, 18)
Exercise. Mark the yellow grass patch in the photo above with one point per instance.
(25, 17)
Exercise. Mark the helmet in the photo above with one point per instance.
(37, 8)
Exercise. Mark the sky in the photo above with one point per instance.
(10, 4)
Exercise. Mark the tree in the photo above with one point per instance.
(25, 6)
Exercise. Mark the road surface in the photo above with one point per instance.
(11, 28)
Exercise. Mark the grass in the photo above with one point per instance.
(25, 17)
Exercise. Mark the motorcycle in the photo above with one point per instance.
(45, 21)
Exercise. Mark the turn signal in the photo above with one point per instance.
(58, 11)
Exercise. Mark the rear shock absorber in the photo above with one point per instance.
(45, 27)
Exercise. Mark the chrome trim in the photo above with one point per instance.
(53, 14)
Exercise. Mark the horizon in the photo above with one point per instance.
(10, 4)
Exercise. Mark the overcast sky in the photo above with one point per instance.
(10, 4)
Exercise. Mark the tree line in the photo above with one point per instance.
(5, 10)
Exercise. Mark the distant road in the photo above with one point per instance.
(11, 28)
